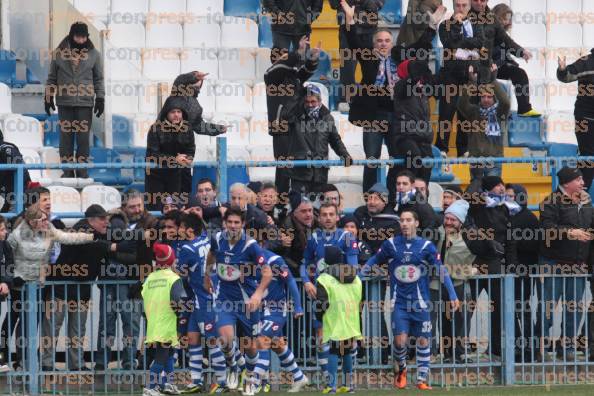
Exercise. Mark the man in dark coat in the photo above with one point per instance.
(76, 79)
(10, 154)
(311, 131)
(6, 271)
(291, 20)
(407, 198)
(170, 144)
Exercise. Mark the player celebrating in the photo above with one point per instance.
(410, 260)
(191, 264)
(313, 263)
(274, 317)
(239, 295)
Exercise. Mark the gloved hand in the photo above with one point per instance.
(99, 106)
(49, 104)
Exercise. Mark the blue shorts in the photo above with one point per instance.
(249, 322)
(204, 321)
(273, 324)
(416, 323)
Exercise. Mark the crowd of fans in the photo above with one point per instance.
(485, 230)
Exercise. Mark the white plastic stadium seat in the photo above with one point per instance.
(141, 125)
(31, 156)
(435, 195)
(239, 33)
(108, 197)
(571, 55)
(123, 97)
(238, 129)
(259, 94)
(5, 99)
(24, 132)
(167, 6)
(164, 35)
(148, 97)
(561, 97)
(564, 35)
(352, 196)
(565, 6)
(64, 199)
(588, 40)
(237, 64)
(262, 62)
(202, 32)
(588, 6)
(531, 8)
(233, 98)
(262, 153)
(207, 96)
(536, 67)
(161, 65)
(51, 155)
(123, 69)
(324, 90)
(352, 135)
(92, 7)
(259, 130)
(560, 128)
(133, 7)
(493, 3)
(127, 35)
(533, 35)
(202, 59)
(205, 7)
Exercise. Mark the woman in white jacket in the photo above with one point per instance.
(31, 243)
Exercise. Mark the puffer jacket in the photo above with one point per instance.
(309, 140)
(412, 117)
(376, 228)
(32, 249)
(166, 140)
(87, 77)
(558, 214)
(293, 17)
(458, 258)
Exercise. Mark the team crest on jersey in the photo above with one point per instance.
(228, 272)
(354, 245)
(407, 273)
(275, 327)
(261, 260)
(227, 259)
(208, 326)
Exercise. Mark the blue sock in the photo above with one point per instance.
(168, 377)
(262, 366)
(196, 356)
(347, 369)
(155, 374)
(229, 352)
(240, 359)
(323, 352)
(287, 361)
(423, 360)
(251, 361)
(217, 362)
(400, 357)
(332, 370)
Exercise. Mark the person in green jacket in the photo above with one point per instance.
(167, 307)
(339, 298)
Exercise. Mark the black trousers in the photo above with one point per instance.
(348, 62)
(584, 132)
(519, 79)
(75, 126)
(161, 183)
(283, 41)
(309, 188)
(453, 79)
(280, 148)
(412, 152)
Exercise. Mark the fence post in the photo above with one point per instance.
(509, 328)
(222, 168)
(32, 341)
(375, 319)
(20, 189)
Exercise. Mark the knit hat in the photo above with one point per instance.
(313, 90)
(255, 186)
(567, 174)
(489, 182)
(333, 255)
(454, 190)
(349, 218)
(164, 255)
(79, 29)
(296, 199)
(380, 190)
(459, 209)
(402, 69)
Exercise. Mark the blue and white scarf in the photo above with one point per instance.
(386, 63)
(493, 200)
(314, 113)
(493, 128)
(404, 198)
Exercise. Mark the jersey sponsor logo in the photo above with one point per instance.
(261, 260)
(228, 272)
(275, 327)
(354, 245)
(407, 273)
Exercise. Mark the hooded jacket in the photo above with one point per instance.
(166, 140)
(10, 154)
(84, 79)
(184, 89)
(374, 229)
(293, 17)
(583, 71)
(525, 223)
(309, 139)
(558, 214)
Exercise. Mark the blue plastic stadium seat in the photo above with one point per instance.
(324, 69)
(8, 70)
(139, 157)
(392, 12)
(437, 173)
(122, 131)
(51, 131)
(242, 8)
(264, 32)
(564, 150)
(31, 78)
(526, 132)
(110, 177)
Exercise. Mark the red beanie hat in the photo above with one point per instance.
(164, 255)
(402, 69)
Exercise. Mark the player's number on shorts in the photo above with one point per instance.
(265, 325)
(426, 327)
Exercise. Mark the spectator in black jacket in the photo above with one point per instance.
(268, 202)
(10, 154)
(407, 198)
(170, 144)
(377, 220)
(491, 214)
(311, 131)
(6, 270)
(291, 20)
(419, 27)
(366, 19)
(82, 263)
(567, 218)
(295, 231)
(284, 80)
(582, 70)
